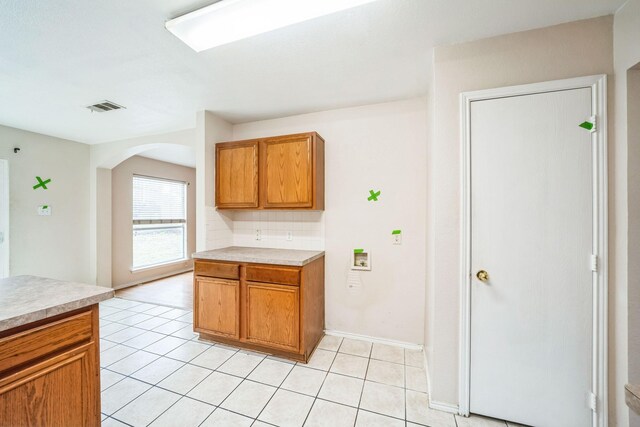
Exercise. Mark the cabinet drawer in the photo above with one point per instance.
(47, 339)
(217, 269)
(282, 275)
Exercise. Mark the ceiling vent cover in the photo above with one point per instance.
(105, 106)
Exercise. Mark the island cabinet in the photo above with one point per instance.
(49, 372)
(283, 172)
(270, 308)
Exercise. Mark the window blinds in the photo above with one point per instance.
(158, 201)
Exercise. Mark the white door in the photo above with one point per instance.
(4, 219)
(531, 231)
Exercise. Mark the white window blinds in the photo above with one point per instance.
(157, 201)
(159, 221)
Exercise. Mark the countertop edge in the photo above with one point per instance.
(632, 397)
(45, 313)
(252, 260)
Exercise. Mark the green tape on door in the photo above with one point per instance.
(358, 251)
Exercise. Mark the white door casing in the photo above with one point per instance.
(535, 285)
(4, 218)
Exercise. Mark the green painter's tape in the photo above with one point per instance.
(586, 125)
(41, 183)
(358, 251)
(396, 232)
(373, 196)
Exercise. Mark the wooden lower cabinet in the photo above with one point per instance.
(273, 309)
(50, 376)
(217, 306)
(273, 315)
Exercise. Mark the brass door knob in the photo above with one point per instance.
(483, 276)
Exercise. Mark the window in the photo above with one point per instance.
(159, 221)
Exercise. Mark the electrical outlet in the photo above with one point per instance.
(289, 235)
(258, 234)
(396, 239)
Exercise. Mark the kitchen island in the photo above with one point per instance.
(49, 352)
(269, 300)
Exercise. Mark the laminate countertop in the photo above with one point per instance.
(632, 397)
(291, 257)
(26, 299)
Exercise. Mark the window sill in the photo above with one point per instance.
(155, 266)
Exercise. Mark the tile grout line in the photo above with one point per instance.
(195, 338)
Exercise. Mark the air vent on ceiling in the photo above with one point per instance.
(105, 106)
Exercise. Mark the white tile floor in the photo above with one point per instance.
(155, 371)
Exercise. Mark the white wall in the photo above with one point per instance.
(380, 147)
(624, 304)
(215, 229)
(564, 51)
(103, 158)
(122, 218)
(54, 246)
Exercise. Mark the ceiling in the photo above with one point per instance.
(58, 56)
(176, 154)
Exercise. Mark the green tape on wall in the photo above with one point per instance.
(586, 125)
(396, 232)
(358, 251)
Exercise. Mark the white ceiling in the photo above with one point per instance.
(58, 56)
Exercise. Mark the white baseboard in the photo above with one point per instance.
(438, 406)
(441, 406)
(152, 278)
(403, 344)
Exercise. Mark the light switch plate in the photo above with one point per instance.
(396, 237)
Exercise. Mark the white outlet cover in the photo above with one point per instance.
(44, 210)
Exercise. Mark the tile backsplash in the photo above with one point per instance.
(306, 229)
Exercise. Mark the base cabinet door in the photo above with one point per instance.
(217, 306)
(273, 315)
(62, 391)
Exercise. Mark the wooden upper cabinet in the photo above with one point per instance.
(237, 175)
(290, 170)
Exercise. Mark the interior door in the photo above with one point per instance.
(4, 219)
(531, 232)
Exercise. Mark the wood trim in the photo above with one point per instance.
(312, 306)
(29, 345)
(216, 269)
(267, 349)
(273, 274)
(598, 84)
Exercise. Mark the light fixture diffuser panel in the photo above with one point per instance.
(230, 20)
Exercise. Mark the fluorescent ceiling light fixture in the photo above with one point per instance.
(230, 20)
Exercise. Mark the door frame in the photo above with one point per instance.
(598, 84)
(4, 205)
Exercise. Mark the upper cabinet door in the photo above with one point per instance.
(237, 175)
(290, 172)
